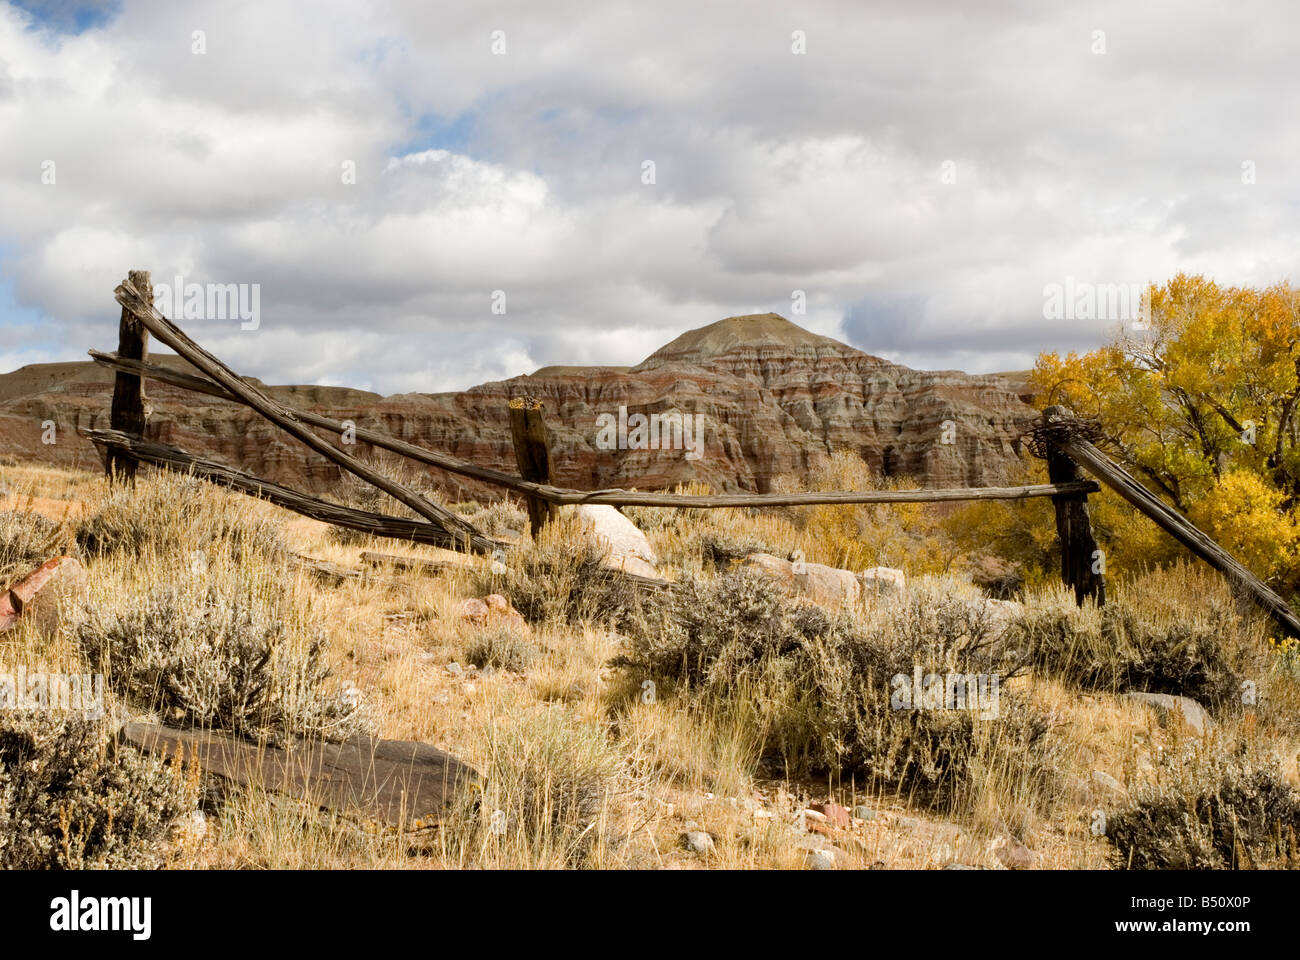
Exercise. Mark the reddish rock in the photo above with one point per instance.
(494, 610)
(834, 813)
(1014, 855)
(42, 596)
(475, 610)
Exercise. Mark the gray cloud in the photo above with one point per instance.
(523, 173)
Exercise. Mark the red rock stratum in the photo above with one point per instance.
(776, 401)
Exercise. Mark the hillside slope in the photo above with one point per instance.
(775, 398)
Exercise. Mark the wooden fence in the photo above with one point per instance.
(1057, 437)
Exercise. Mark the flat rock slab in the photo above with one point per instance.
(397, 782)
(827, 586)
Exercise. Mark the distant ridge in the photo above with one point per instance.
(776, 400)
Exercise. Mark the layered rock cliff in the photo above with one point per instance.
(775, 400)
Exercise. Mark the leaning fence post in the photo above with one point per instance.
(1082, 565)
(128, 412)
(533, 454)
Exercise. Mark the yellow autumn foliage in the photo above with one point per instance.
(1201, 403)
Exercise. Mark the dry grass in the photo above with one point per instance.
(585, 767)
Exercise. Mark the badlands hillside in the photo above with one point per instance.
(777, 401)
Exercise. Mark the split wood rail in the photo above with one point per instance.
(1067, 450)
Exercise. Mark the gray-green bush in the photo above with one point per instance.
(1210, 813)
(820, 685)
(167, 512)
(69, 799)
(219, 654)
(1149, 636)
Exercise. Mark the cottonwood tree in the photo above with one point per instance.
(1202, 406)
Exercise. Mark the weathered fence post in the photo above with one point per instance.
(128, 412)
(1082, 562)
(533, 454)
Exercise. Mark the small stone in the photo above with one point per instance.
(1107, 782)
(697, 841)
(833, 812)
(455, 669)
(494, 610)
(1014, 855)
(475, 610)
(863, 812)
(822, 859)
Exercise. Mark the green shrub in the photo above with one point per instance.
(1173, 631)
(70, 800)
(502, 648)
(498, 518)
(547, 780)
(560, 576)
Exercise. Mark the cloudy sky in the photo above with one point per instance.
(623, 172)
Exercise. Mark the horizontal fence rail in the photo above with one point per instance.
(1057, 437)
(378, 524)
